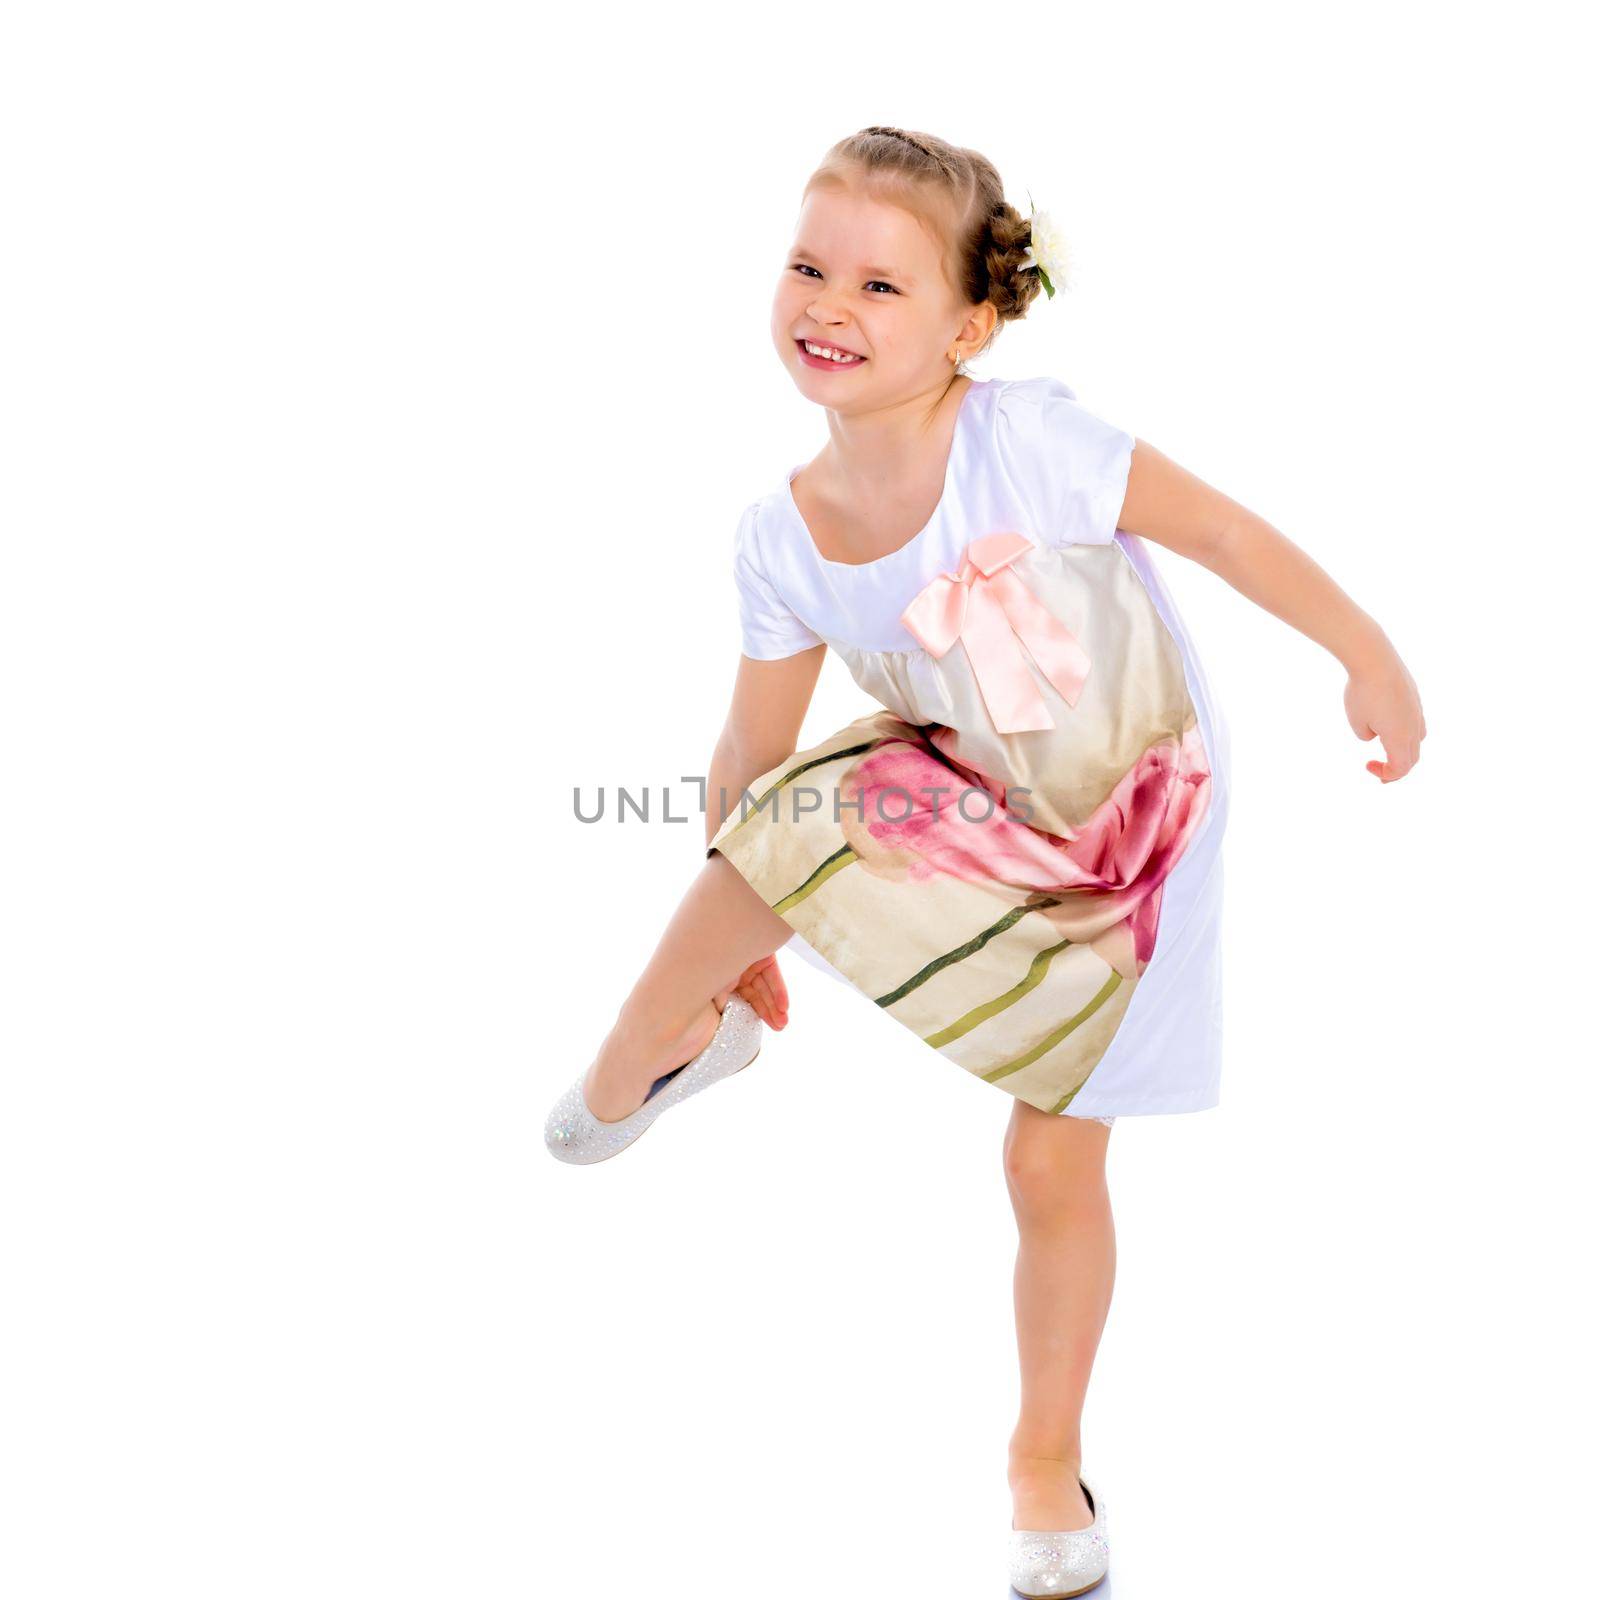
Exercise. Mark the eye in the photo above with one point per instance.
(800, 266)
(889, 286)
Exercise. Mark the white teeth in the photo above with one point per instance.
(832, 355)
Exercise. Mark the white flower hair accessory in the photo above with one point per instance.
(1046, 252)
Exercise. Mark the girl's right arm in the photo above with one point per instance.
(763, 726)
(770, 699)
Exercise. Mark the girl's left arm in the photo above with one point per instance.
(1170, 506)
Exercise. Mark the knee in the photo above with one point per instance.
(1054, 1166)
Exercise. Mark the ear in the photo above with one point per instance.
(978, 327)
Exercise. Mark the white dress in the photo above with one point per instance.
(1072, 958)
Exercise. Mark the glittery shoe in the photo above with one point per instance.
(1045, 1566)
(572, 1132)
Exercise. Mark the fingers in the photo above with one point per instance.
(769, 1013)
(762, 985)
(780, 989)
(777, 991)
(775, 1002)
(1398, 763)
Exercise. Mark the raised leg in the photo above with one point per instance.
(720, 927)
(1066, 1264)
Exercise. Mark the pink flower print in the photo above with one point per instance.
(1108, 874)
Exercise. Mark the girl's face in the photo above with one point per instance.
(865, 278)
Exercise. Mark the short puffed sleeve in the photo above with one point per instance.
(1069, 464)
(768, 628)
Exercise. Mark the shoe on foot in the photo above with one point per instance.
(1049, 1565)
(572, 1132)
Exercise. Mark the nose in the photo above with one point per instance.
(821, 311)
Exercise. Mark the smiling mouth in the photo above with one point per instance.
(829, 354)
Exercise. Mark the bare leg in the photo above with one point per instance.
(720, 927)
(1066, 1264)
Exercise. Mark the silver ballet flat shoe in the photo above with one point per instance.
(572, 1132)
(1045, 1566)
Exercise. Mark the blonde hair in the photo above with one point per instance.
(957, 195)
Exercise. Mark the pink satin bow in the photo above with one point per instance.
(989, 609)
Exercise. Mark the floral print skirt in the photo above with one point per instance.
(1011, 949)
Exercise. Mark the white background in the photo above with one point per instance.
(381, 388)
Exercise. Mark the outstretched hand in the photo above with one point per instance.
(761, 983)
(1383, 703)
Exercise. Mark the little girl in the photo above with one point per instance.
(1018, 856)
